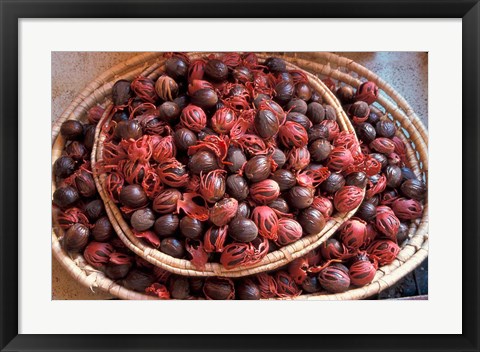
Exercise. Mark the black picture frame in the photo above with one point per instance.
(12, 11)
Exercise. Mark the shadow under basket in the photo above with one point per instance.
(323, 65)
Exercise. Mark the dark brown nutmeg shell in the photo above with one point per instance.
(247, 290)
(166, 88)
(414, 189)
(300, 119)
(166, 225)
(133, 196)
(279, 158)
(142, 219)
(128, 129)
(386, 129)
(216, 70)
(275, 64)
(219, 288)
(394, 176)
(297, 105)
(237, 187)
(64, 166)
(285, 179)
(173, 247)
(345, 94)
(191, 228)
(366, 211)
(212, 186)
(334, 279)
(257, 168)
(289, 230)
(76, 238)
(318, 132)
(316, 112)
(205, 98)
(366, 132)
(77, 151)
(103, 230)
(204, 161)
(71, 130)
(242, 229)
(237, 158)
(300, 197)
(358, 179)
(311, 284)
(121, 92)
(311, 220)
(320, 150)
(138, 280)
(284, 92)
(244, 210)
(176, 67)
(333, 183)
(65, 196)
(169, 111)
(184, 138)
(179, 287)
(94, 210)
(266, 123)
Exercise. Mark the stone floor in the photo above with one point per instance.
(407, 72)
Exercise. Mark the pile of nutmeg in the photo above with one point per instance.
(225, 159)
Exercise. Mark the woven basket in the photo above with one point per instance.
(184, 267)
(413, 252)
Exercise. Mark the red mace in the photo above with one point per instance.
(334, 279)
(347, 198)
(362, 271)
(198, 84)
(193, 117)
(214, 239)
(333, 249)
(97, 254)
(386, 222)
(289, 231)
(286, 286)
(267, 285)
(353, 233)
(236, 254)
(212, 185)
(196, 70)
(293, 134)
(157, 290)
(69, 217)
(367, 92)
(259, 247)
(383, 145)
(134, 171)
(323, 205)
(298, 269)
(348, 141)
(384, 251)
(144, 88)
(173, 173)
(163, 149)
(407, 209)
(265, 191)
(340, 159)
(298, 158)
(267, 222)
(151, 184)
(113, 185)
(223, 120)
(223, 211)
(371, 234)
(333, 128)
(197, 251)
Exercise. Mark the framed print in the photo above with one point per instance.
(210, 191)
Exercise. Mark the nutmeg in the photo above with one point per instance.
(94, 210)
(300, 119)
(223, 211)
(386, 128)
(65, 196)
(242, 229)
(85, 183)
(216, 70)
(237, 187)
(414, 189)
(191, 228)
(128, 129)
(166, 225)
(166, 201)
(179, 287)
(280, 205)
(265, 191)
(172, 247)
(257, 168)
(103, 230)
(333, 183)
(285, 179)
(320, 150)
(311, 220)
(169, 111)
(279, 158)
(300, 197)
(366, 132)
(184, 138)
(243, 210)
(142, 219)
(366, 211)
(204, 161)
(138, 280)
(394, 176)
(247, 290)
(358, 179)
(266, 123)
(297, 105)
(71, 130)
(237, 158)
(219, 288)
(76, 238)
(121, 92)
(133, 196)
(64, 166)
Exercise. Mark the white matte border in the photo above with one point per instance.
(39, 314)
